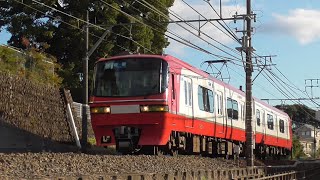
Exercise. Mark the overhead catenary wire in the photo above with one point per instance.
(104, 28)
(61, 20)
(71, 25)
(177, 16)
(284, 92)
(151, 7)
(286, 86)
(229, 29)
(232, 36)
(297, 87)
(261, 86)
(186, 41)
(268, 78)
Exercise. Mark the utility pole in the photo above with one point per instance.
(85, 85)
(311, 86)
(249, 69)
(85, 107)
(247, 48)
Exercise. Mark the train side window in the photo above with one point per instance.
(205, 99)
(235, 110)
(229, 108)
(232, 109)
(219, 103)
(270, 121)
(281, 126)
(185, 93)
(258, 117)
(263, 118)
(200, 98)
(189, 94)
(211, 100)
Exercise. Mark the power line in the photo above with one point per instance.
(93, 25)
(150, 6)
(231, 36)
(229, 29)
(298, 103)
(156, 10)
(219, 56)
(288, 86)
(290, 99)
(64, 22)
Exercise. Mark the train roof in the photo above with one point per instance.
(186, 65)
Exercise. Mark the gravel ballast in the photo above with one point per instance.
(39, 165)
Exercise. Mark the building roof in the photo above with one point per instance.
(306, 127)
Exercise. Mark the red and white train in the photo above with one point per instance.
(160, 104)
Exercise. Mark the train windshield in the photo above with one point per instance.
(130, 77)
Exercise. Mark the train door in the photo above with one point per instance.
(187, 103)
(220, 119)
(242, 116)
(173, 95)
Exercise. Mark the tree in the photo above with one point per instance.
(63, 37)
(299, 114)
(297, 148)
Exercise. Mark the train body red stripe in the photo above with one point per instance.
(156, 128)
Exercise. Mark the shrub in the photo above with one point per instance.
(31, 64)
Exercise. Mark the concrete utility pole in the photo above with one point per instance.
(249, 68)
(85, 92)
(85, 85)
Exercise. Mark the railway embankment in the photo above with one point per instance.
(33, 117)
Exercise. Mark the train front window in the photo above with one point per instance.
(130, 77)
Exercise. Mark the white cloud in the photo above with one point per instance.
(302, 24)
(181, 9)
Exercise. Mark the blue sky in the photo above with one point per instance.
(288, 29)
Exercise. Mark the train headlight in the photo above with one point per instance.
(100, 110)
(154, 108)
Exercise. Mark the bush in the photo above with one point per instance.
(35, 66)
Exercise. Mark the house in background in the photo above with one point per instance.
(309, 137)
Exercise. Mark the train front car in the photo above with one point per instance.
(129, 103)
